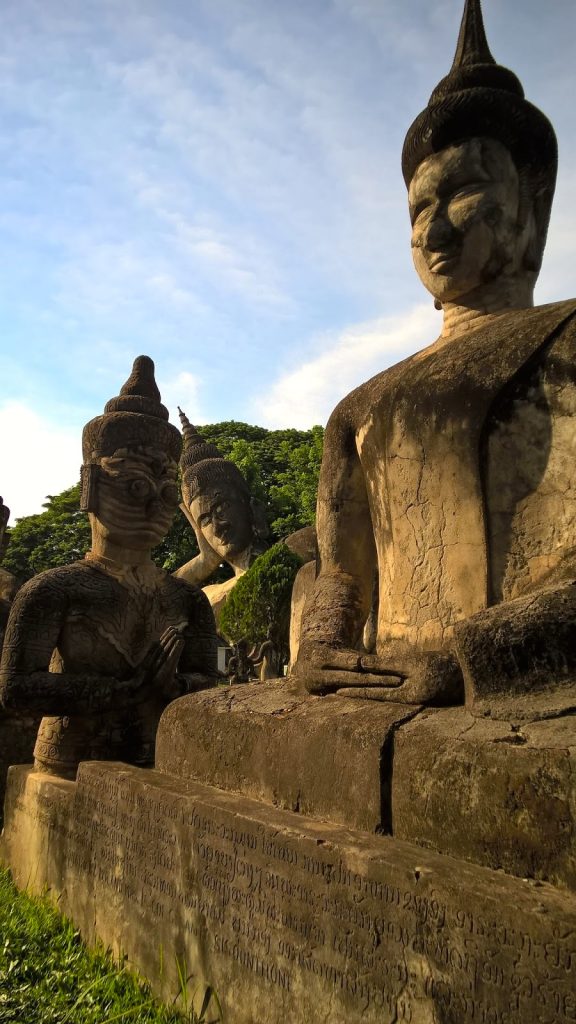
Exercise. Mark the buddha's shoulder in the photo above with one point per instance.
(554, 317)
(187, 594)
(57, 584)
(358, 405)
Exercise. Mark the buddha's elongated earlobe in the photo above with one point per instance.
(89, 475)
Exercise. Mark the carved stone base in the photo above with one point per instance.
(17, 737)
(501, 794)
(288, 918)
(323, 756)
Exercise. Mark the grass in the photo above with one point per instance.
(48, 976)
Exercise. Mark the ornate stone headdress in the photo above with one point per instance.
(480, 98)
(134, 419)
(203, 465)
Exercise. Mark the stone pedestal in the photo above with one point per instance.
(17, 737)
(289, 918)
(322, 756)
(501, 794)
(324, 859)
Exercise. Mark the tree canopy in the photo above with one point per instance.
(259, 603)
(281, 468)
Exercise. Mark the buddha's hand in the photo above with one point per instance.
(156, 672)
(205, 562)
(399, 673)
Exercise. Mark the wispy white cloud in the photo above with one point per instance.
(182, 390)
(303, 397)
(37, 458)
(215, 183)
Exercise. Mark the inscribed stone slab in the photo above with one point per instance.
(289, 919)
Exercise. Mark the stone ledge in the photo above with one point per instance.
(286, 916)
(501, 794)
(497, 793)
(322, 756)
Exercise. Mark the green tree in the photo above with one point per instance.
(293, 494)
(260, 600)
(57, 536)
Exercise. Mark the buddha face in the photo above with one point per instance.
(137, 497)
(464, 207)
(223, 514)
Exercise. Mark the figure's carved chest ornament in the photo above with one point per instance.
(138, 615)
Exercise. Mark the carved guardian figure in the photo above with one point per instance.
(100, 647)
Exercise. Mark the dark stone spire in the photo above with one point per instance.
(195, 449)
(472, 46)
(134, 418)
(140, 392)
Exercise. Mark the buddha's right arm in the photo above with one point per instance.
(201, 567)
(342, 593)
(31, 635)
(197, 570)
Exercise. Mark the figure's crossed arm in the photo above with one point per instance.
(34, 627)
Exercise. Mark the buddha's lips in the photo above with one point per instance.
(442, 260)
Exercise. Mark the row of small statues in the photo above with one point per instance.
(446, 509)
(261, 662)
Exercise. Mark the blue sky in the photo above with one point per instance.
(216, 183)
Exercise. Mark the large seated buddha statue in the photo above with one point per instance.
(450, 476)
(100, 647)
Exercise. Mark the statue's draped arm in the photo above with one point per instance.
(199, 658)
(201, 567)
(342, 593)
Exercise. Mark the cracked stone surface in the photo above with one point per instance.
(497, 793)
(321, 756)
(474, 788)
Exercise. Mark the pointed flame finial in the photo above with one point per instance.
(195, 448)
(189, 433)
(472, 46)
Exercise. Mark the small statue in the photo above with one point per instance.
(240, 667)
(450, 473)
(229, 524)
(266, 658)
(100, 647)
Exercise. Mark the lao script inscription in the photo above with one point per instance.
(254, 895)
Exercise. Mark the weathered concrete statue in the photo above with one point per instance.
(266, 659)
(451, 473)
(241, 667)
(229, 524)
(100, 647)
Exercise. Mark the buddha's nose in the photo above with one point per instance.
(440, 234)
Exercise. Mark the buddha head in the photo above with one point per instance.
(130, 468)
(218, 499)
(480, 166)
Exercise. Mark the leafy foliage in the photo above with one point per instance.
(57, 536)
(260, 600)
(280, 466)
(48, 976)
